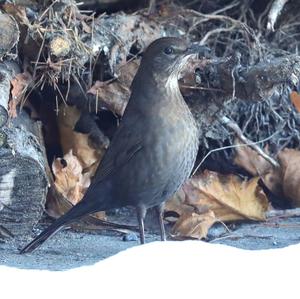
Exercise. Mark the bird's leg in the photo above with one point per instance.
(160, 212)
(141, 213)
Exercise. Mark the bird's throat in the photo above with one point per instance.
(172, 86)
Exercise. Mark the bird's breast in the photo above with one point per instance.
(174, 143)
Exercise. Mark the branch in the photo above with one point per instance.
(233, 125)
(274, 13)
(283, 213)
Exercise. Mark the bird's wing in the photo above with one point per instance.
(125, 144)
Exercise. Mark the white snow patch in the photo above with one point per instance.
(189, 269)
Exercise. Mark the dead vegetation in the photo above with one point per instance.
(70, 68)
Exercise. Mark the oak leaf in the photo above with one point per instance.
(230, 197)
(71, 183)
(212, 197)
(194, 225)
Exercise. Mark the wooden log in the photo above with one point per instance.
(23, 179)
(7, 72)
(9, 33)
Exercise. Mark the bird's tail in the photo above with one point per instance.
(81, 209)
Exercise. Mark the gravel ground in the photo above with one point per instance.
(69, 249)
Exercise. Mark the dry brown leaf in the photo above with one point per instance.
(70, 182)
(283, 181)
(12, 108)
(114, 95)
(295, 98)
(289, 160)
(256, 165)
(177, 204)
(88, 156)
(213, 197)
(73, 173)
(249, 160)
(68, 177)
(227, 195)
(19, 85)
(111, 95)
(194, 225)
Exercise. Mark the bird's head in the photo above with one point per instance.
(166, 56)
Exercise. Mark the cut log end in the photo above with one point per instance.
(9, 33)
(23, 180)
(60, 46)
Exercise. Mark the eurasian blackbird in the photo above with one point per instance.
(153, 150)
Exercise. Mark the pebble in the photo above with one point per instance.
(130, 237)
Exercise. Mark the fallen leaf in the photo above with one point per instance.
(249, 160)
(79, 143)
(19, 86)
(194, 225)
(295, 98)
(114, 95)
(283, 181)
(70, 183)
(177, 205)
(68, 177)
(256, 165)
(212, 197)
(230, 197)
(289, 160)
(111, 95)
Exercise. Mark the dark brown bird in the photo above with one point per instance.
(154, 149)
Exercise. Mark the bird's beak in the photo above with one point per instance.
(194, 51)
(198, 50)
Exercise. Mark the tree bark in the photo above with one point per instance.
(23, 179)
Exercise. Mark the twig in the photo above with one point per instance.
(274, 13)
(47, 9)
(232, 125)
(283, 213)
(38, 58)
(201, 88)
(213, 17)
(231, 146)
(223, 9)
(235, 236)
(215, 31)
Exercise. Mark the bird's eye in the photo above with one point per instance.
(169, 50)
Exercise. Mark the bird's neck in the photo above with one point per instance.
(152, 89)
